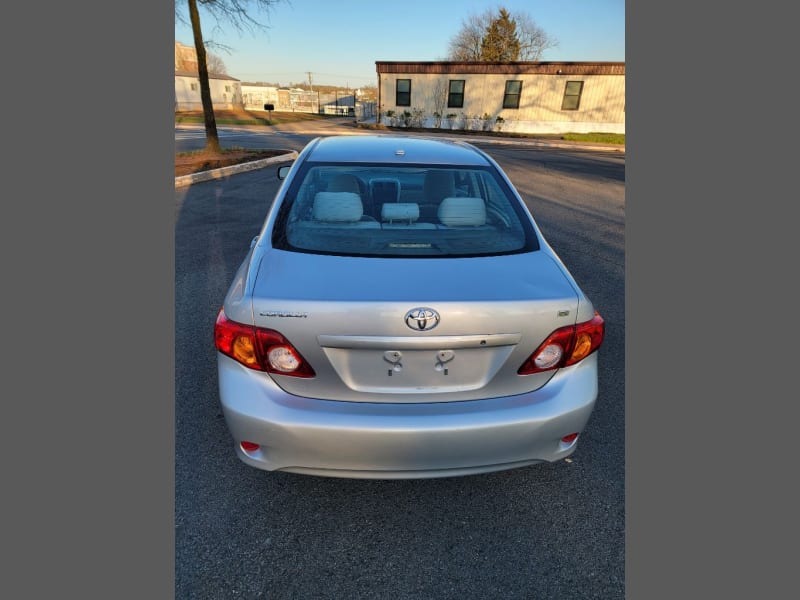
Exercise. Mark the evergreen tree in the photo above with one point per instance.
(466, 44)
(501, 42)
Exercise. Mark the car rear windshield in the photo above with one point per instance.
(402, 211)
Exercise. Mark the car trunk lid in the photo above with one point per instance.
(413, 330)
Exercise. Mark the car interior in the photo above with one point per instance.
(416, 210)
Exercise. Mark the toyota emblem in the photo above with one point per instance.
(422, 319)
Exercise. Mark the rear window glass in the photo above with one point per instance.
(406, 211)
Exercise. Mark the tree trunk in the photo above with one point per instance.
(212, 138)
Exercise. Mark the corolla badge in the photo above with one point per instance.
(422, 318)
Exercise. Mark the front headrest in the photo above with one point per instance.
(344, 183)
(337, 207)
(438, 185)
(462, 212)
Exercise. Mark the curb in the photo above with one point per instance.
(489, 139)
(232, 170)
(559, 145)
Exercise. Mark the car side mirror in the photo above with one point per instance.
(283, 171)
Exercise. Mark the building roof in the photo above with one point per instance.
(179, 73)
(503, 68)
(259, 84)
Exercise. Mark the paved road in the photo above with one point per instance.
(293, 136)
(547, 531)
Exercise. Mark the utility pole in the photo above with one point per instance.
(311, 91)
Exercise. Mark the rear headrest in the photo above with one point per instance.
(337, 207)
(462, 212)
(407, 212)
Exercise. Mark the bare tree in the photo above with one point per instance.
(533, 40)
(233, 12)
(439, 102)
(216, 64)
(466, 44)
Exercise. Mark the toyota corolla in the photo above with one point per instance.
(400, 315)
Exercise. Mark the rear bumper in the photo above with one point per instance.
(398, 441)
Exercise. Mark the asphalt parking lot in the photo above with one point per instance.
(546, 531)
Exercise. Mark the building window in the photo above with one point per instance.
(512, 94)
(193, 87)
(227, 88)
(572, 95)
(403, 95)
(455, 95)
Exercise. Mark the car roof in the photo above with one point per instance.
(395, 149)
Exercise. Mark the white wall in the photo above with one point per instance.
(602, 105)
(256, 96)
(225, 93)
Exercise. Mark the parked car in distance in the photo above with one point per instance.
(400, 315)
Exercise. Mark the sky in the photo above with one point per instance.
(340, 41)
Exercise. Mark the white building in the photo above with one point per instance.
(523, 97)
(226, 91)
(256, 95)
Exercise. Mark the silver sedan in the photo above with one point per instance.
(400, 315)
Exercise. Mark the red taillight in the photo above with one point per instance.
(566, 346)
(260, 349)
(249, 446)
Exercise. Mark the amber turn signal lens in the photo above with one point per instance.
(244, 350)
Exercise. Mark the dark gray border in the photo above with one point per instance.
(87, 256)
(707, 319)
(88, 264)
